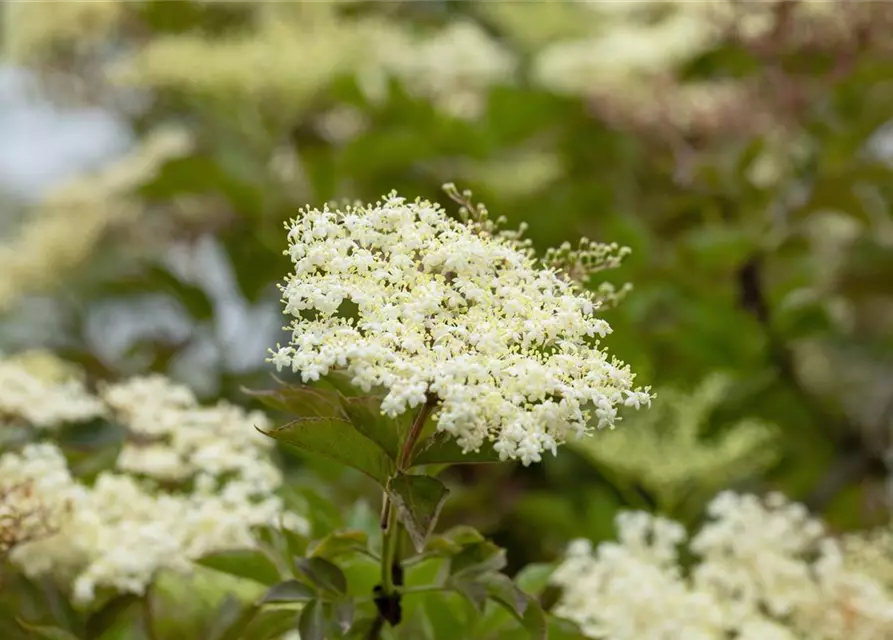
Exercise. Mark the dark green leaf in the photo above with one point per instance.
(245, 563)
(441, 448)
(339, 543)
(343, 614)
(323, 574)
(365, 414)
(300, 401)
(111, 612)
(271, 624)
(474, 592)
(534, 620)
(477, 559)
(337, 440)
(501, 589)
(312, 625)
(419, 500)
(231, 619)
(289, 591)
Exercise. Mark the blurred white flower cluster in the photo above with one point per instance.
(452, 68)
(763, 570)
(70, 221)
(189, 480)
(41, 402)
(452, 311)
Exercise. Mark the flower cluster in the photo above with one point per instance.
(190, 480)
(454, 312)
(764, 569)
(71, 220)
(452, 68)
(43, 403)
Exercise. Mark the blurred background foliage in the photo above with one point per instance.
(742, 150)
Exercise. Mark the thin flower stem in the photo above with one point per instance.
(389, 549)
(390, 524)
(414, 432)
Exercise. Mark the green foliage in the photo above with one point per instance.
(762, 252)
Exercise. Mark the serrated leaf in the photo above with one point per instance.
(289, 591)
(300, 401)
(245, 563)
(312, 624)
(441, 448)
(337, 440)
(43, 631)
(418, 500)
(339, 543)
(323, 573)
(364, 412)
(478, 558)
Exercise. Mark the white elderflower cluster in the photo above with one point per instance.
(70, 221)
(453, 312)
(763, 569)
(33, 31)
(453, 68)
(41, 402)
(176, 438)
(190, 480)
(625, 51)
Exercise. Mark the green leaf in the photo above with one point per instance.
(300, 401)
(419, 500)
(231, 619)
(441, 448)
(41, 631)
(323, 573)
(474, 592)
(289, 591)
(503, 590)
(109, 615)
(453, 541)
(343, 613)
(271, 623)
(245, 563)
(340, 543)
(533, 578)
(477, 559)
(312, 625)
(534, 620)
(186, 605)
(337, 440)
(364, 412)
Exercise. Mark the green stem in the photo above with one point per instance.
(390, 536)
(405, 458)
(390, 524)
